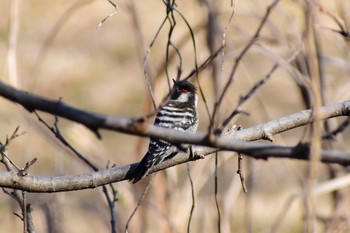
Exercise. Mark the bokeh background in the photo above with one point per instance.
(59, 52)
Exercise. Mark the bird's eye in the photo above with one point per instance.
(185, 90)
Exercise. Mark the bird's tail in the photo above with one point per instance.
(140, 171)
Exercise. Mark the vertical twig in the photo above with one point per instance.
(145, 191)
(193, 198)
(145, 63)
(311, 43)
(234, 6)
(239, 172)
(13, 42)
(140, 49)
(194, 44)
(24, 212)
(216, 193)
(212, 42)
(249, 197)
(170, 6)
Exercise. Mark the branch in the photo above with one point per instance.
(119, 173)
(231, 141)
(95, 121)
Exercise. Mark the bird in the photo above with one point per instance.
(179, 113)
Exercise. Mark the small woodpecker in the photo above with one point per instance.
(179, 113)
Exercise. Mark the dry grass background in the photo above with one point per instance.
(101, 70)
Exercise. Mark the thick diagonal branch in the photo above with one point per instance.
(96, 121)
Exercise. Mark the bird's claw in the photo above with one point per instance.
(194, 155)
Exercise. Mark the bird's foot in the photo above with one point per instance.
(193, 155)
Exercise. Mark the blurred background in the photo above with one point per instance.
(56, 49)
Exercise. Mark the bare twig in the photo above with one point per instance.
(312, 42)
(239, 172)
(205, 64)
(145, 191)
(193, 198)
(343, 32)
(13, 42)
(216, 177)
(145, 63)
(110, 15)
(56, 131)
(237, 62)
(170, 6)
(234, 6)
(332, 134)
(24, 212)
(244, 98)
(140, 49)
(8, 161)
(254, 88)
(24, 171)
(14, 135)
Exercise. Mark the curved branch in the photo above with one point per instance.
(119, 173)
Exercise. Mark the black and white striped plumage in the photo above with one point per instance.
(180, 114)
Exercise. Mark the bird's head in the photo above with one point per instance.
(183, 91)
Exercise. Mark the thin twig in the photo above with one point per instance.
(13, 42)
(332, 134)
(110, 15)
(139, 43)
(138, 204)
(239, 172)
(145, 63)
(237, 62)
(244, 98)
(343, 32)
(56, 131)
(193, 198)
(170, 8)
(234, 6)
(312, 43)
(216, 178)
(24, 212)
(254, 88)
(172, 23)
(194, 72)
(7, 142)
(24, 171)
(205, 64)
